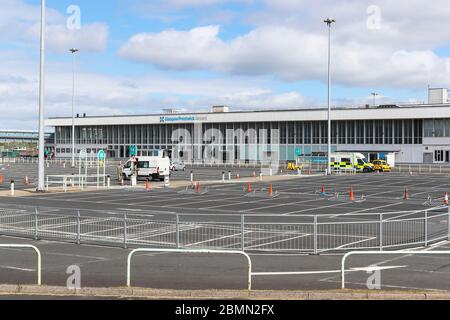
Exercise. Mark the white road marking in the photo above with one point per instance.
(16, 268)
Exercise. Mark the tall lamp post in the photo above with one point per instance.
(73, 51)
(329, 22)
(374, 94)
(41, 169)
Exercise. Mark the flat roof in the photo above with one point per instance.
(413, 111)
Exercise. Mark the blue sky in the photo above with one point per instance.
(140, 56)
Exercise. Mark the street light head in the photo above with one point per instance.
(74, 50)
(329, 21)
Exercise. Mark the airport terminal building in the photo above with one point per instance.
(417, 133)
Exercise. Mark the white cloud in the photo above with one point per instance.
(102, 94)
(289, 54)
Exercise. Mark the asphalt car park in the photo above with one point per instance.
(293, 200)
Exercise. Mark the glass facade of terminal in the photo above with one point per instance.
(308, 136)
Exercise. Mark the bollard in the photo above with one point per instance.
(192, 176)
(229, 175)
(166, 181)
(108, 182)
(12, 188)
(271, 172)
(223, 176)
(260, 176)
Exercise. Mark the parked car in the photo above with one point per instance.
(381, 165)
(178, 166)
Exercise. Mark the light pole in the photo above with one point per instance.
(41, 169)
(374, 94)
(329, 22)
(73, 51)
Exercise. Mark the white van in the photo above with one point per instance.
(147, 167)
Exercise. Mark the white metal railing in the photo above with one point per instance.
(422, 168)
(249, 261)
(264, 233)
(400, 252)
(81, 181)
(38, 253)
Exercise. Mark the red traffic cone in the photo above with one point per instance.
(406, 194)
(352, 195)
(249, 187)
(323, 189)
(1, 179)
(147, 185)
(198, 187)
(446, 199)
(270, 190)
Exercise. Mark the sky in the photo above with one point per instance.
(142, 56)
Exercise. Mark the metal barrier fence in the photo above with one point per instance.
(38, 257)
(422, 168)
(264, 233)
(184, 251)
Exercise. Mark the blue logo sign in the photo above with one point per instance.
(182, 119)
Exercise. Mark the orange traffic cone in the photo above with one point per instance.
(1, 179)
(352, 195)
(406, 194)
(249, 187)
(446, 199)
(147, 185)
(270, 190)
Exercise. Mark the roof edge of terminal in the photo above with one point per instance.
(305, 109)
